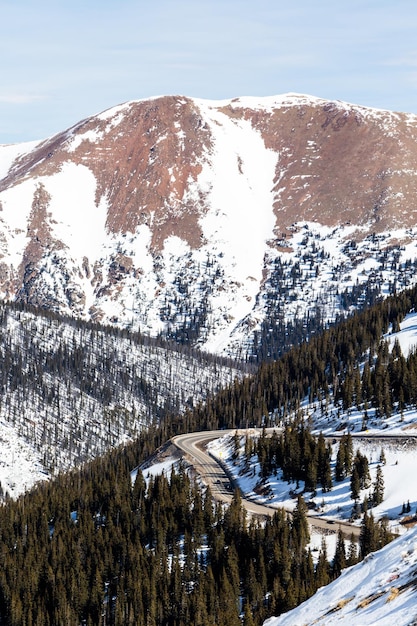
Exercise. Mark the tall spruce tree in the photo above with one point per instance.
(378, 487)
(339, 560)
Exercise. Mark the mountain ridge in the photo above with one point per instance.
(169, 215)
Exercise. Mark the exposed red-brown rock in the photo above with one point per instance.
(341, 163)
(336, 163)
(156, 162)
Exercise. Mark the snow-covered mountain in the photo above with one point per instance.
(212, 222)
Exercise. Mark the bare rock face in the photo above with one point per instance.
(178, 216)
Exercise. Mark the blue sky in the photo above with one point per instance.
(61, 61)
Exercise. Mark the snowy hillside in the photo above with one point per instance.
(235, 226)
(336, 504)
(395, 435)
(70, 391)
(380, 590)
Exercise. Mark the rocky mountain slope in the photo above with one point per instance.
(227, 225)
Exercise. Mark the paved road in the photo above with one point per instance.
(406, 437)
(194, 447)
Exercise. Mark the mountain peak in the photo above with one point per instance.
(171, 213)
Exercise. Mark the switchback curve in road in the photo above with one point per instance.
(214, 474)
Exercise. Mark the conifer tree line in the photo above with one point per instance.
(300, 455)
(99, 547)
(326, 367)
(304, 458)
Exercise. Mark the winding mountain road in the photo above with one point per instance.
(214, 473)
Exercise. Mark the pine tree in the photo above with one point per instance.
(378, 487)
(352, 557)
(355, 485)
(323, 463)
(327, 482)
(339, 561)
(385, 535)
(236, 446)
(340, 472)
(348, 453)
(228, 603)
(235, 518)
(248, 451)
(250, 583)
(322, 568)
(368, 540)
(367, 387)
(361, 464)
(248, 617)
(344, 457)
(300, 529)
(291, 596)
(311, 475)
(232, 568)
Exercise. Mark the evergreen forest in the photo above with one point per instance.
(95, 547)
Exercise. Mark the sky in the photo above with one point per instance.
(62, 61)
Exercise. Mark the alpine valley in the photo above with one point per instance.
(174, 266)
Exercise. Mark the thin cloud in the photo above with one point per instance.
(19, 98)
(407, 61)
